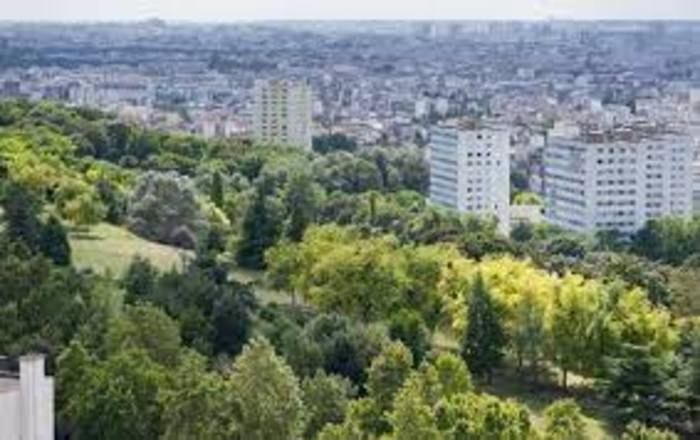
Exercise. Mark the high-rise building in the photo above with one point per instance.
(470, 169)
(27, 402)
(617, 179)
(282, 113)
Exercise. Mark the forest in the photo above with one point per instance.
(317, 295)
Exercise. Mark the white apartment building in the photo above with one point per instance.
(470, 169)
(617, 178)
(27, 402)
(282, 113)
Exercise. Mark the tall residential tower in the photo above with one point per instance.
(470, 169)
(617, 179)
(282, 113)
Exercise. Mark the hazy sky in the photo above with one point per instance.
(234, 10)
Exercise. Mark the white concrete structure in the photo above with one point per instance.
(617, 178)
(470, 169)
(282, 113)
(26, 404)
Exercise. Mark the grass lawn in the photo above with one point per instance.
(110, 248)
(536, 397)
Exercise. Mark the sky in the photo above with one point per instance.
(246, 10)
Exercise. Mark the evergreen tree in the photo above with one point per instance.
(300, 203)
(260, 230)
(54, 242)
(645, 387)
(484, 339)
(217, 190)
(22, 216)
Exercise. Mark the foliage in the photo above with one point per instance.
(564, 421)
(484, 339)
(326, 398)
(268, 395)
(164, 208)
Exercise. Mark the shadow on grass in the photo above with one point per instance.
(537, 394)
(85, 235)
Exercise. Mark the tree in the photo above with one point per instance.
(575, 308)
(412, 418)
(21, 216)
(140, 279)
(216, 193)
(637, 431)
(198, 406)
(645, 387)
(326, 398)
(268, 395)
(118, 398)
(564, 421)
(83, 210)
(260, 229)
(480, 416)
(453, 374)
(300, 201)
(164, 208)
(388, 372)
(147, 328)
(231, 319)
(408, 327)
(54, 242)
(484, 339)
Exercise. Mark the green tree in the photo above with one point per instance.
(564, 421)
(21, 216)
(268, 395)
(408, 327)
(645, 387)
(412, 418)
(637, 431)
(326, 398)
(301, 203)
(453, 374)
(199, 405)
(576, 306)
(388, 372)
(118, 398)
(54, 242)
(147, 328)
(140, 279)
(260, 229)
(216, 193)
(163, 207)
(484, 339)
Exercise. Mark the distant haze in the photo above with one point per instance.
(237, 10)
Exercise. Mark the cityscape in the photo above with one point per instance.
(349, 229)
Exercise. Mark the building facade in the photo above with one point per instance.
(617, 179)
(282, 113)
(27, 402)
(470, 169)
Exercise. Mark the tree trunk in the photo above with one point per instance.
(564, 379)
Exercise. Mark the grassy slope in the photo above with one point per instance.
(109, 248)
(106, 247)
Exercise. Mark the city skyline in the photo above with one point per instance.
(220, 11)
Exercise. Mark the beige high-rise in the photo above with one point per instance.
(282, 113)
